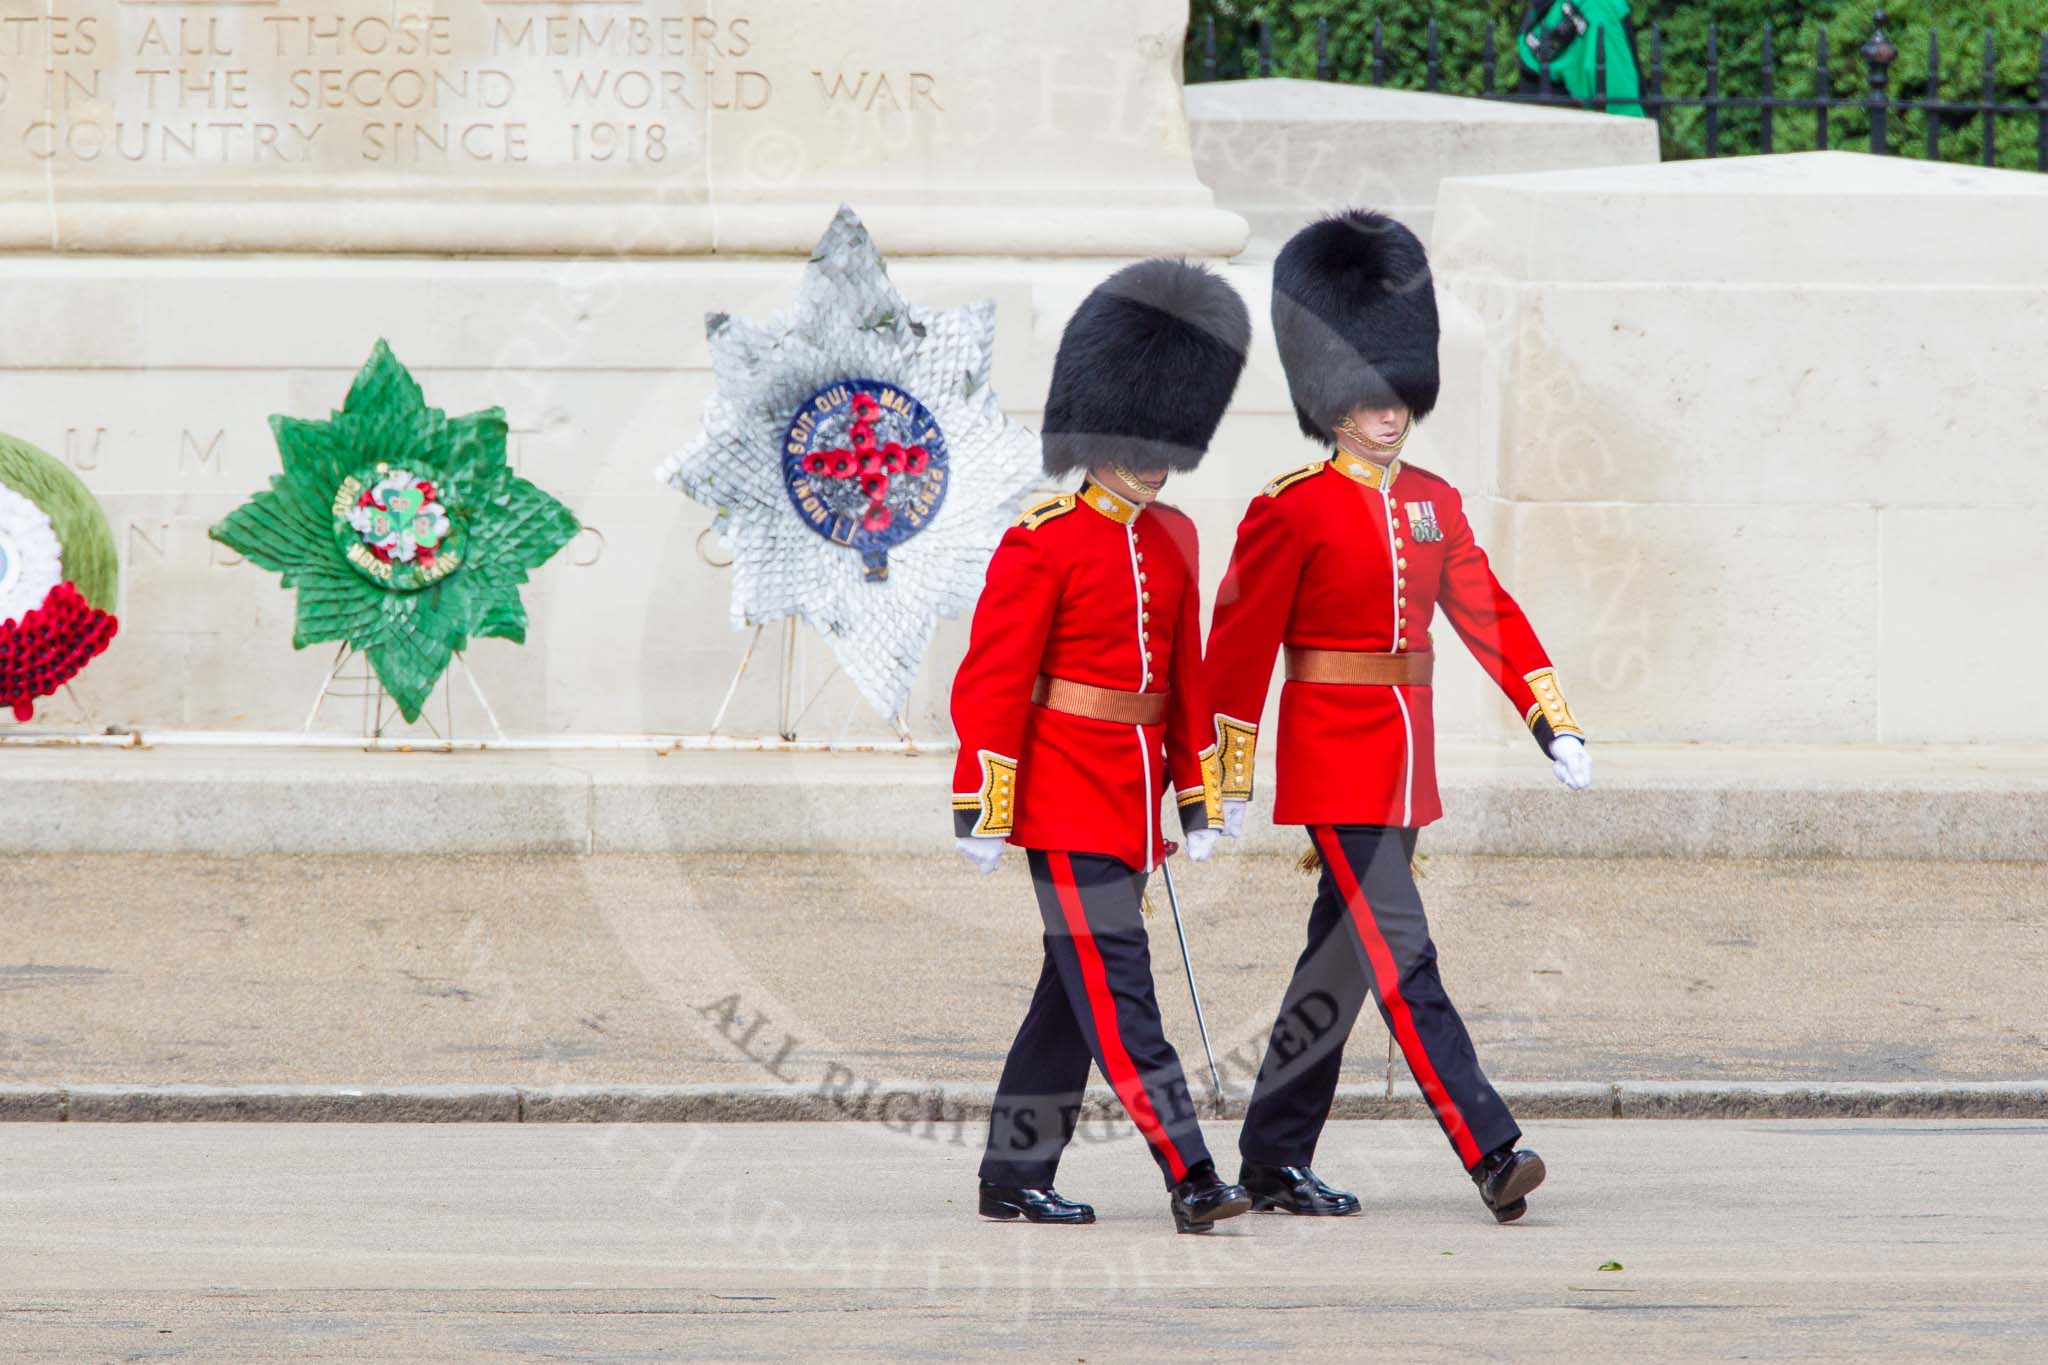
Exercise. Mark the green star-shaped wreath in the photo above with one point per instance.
(403, 529)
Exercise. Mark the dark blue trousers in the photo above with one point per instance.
(1367, 934)
(1094, 1003)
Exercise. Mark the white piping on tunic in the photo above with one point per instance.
(1407, 725)
(1144, 678)
(1408, 772)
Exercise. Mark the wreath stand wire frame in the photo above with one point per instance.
(790, 686)
(363, 686)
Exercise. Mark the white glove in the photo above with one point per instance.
(983, 850)
(1201, 843)
(1570, 761)
(1233, 819)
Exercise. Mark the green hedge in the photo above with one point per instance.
(2014, 24)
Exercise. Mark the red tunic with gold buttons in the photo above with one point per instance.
(1094, 589)
(1345, 554)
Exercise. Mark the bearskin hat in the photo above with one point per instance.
(1145, 369)
(1354, 312)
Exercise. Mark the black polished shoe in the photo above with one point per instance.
(1293, 1189)
(1201, 1200)
(1505, 1179)
(1033, 1206)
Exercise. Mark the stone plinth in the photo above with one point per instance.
(1766, 438)
(1651, 801)
(1281, 151)
(596, 126)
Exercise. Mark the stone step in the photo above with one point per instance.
(1787, 801)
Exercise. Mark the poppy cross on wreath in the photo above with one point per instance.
(870, 463)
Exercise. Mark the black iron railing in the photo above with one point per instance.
(1877, 52)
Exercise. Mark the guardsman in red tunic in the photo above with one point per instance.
(1080, 706)
(1345, 562)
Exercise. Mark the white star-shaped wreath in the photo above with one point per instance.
(847, 324)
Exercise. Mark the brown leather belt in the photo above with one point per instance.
(1099, 703)
(1358, 668)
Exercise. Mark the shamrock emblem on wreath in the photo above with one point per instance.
(397, 529)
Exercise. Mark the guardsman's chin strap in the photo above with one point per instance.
(1134, 488)
(1348, 428)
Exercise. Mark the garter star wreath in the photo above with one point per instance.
(857, 461)
(403, 529)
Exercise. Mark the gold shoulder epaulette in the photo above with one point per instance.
(1039, 513)
(1291, 478)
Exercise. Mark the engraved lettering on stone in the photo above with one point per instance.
(82, 451)
(490, 84)
(79, 87)
(181, 87)
(878, 92)
(183, 38)
(152, 535)
(192, 453)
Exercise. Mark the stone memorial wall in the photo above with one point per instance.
(1699, 409)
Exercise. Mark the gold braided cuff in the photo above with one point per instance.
(1550, 704)
(1236, 745)
(993, 807)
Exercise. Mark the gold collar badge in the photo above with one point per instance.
(1118, 509)
(1362, 470)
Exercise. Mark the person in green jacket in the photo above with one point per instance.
(1566, 39)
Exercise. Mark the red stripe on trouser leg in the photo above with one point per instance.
(1388, 975)
(1123, 1076)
